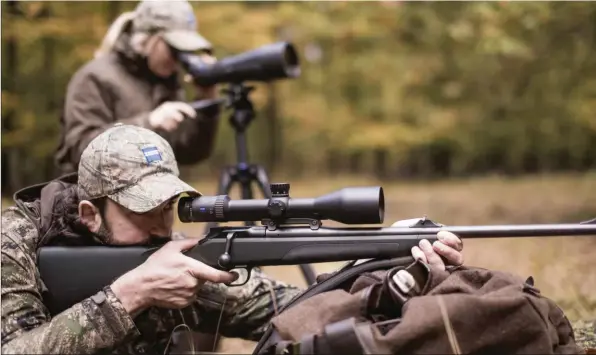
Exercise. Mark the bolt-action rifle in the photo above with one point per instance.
(291, 233)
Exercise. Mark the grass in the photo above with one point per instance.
(560, 265)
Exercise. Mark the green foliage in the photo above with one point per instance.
(443, 87)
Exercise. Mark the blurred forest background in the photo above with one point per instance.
(389, 89)
(470, 112)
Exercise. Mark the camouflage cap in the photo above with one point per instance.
(133, 166)
(175, 19)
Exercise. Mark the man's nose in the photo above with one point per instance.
(158, 226)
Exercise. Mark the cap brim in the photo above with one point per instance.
(186, 41)
(151, 191)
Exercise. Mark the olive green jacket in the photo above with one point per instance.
(118, 87)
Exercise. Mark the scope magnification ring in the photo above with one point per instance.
(219, 206)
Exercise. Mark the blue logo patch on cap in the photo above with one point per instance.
(151, 154)
(191, 19)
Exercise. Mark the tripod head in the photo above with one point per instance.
(236, 98)
(239, 102)
(264, 64)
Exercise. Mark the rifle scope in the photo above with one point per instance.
(266, 63)
(352, 205)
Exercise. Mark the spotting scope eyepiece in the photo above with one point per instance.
(266, 63)
(351, 205)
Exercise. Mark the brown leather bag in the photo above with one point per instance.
(411, 309)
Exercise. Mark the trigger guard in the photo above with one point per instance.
(240, 272)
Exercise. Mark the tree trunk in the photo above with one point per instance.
(49, 171)
(355, 163)
(273, 129)
(333, 162)
(11, 172)
(380, 163)
(113, 10)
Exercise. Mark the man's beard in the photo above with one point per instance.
(105, 235)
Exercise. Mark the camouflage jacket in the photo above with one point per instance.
(99, 324)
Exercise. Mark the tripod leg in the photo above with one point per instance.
(309, 274)
(225, 181)
(263, 181)
(245, 177)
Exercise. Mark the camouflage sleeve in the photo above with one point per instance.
(245, 311)
(99, 322)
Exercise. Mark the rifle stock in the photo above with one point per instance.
(91, 268)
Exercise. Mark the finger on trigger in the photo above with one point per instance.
(418, 254)
(206, 272)
(452, 256)
(450, 239)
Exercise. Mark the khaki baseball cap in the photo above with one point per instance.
(133, 166)
(175, 19)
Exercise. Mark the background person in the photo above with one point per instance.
(135, 79)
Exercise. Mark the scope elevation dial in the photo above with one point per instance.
(280, 189)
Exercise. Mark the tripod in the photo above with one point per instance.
(244, 173)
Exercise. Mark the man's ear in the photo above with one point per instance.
(90, 216)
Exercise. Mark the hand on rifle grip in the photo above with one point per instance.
(168, 279)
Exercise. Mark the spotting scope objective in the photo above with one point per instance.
(267, 63)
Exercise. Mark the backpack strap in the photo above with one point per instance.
(341, 338)
(344, 337)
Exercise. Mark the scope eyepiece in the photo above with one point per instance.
(352, 205)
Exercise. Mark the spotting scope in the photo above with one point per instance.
(351, 205)
(266, 63)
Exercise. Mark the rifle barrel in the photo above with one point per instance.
(529, 230)
(494, 231)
